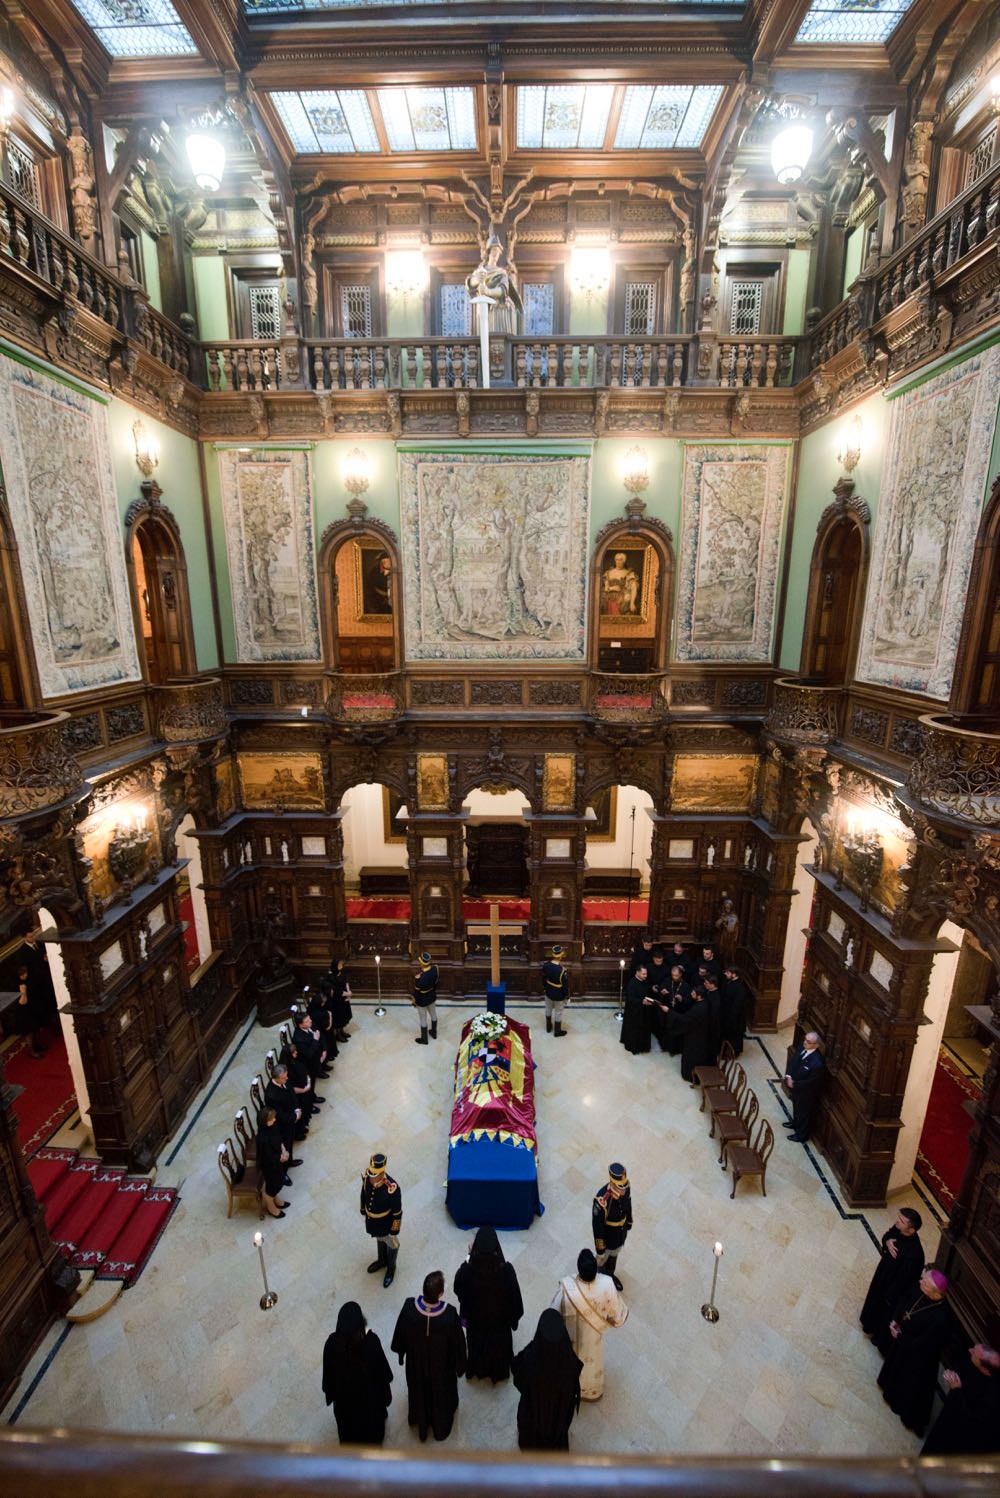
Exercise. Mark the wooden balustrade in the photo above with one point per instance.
(957, 772)
(191, 710)
(27, 238)
(163, 340)
(757, 363)
(242, 364)
(37, 767)
(361, 697)
(615, 698)
(804, 712)
(955, 233)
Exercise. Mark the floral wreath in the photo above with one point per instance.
(487, 1026)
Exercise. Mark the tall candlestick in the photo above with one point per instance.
(269, 1297)
(621, 979)
(710, 1310)
(379, 1007)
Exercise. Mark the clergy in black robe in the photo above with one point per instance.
(430, 1341)
(636, 1021)
(709, 961)
(920, 1330)
(685, 961)
(969, 1424)
(642, 955)
(735, 1009)
(657, 984)
(713, 1002)
(356, 1379)
(340, 999)
(680, 1001)
(489, 1300)
(898, 1275)
(547, 1376)
(692, 1029)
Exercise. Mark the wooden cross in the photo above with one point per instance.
(495, 943)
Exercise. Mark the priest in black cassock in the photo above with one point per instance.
(642, 955)
(357, 1378)
(547, 1375)
(735, 1009)
(637, 1015)
(920, 1330)
(692, 1028)
(898, 1274)
(430, 1342)
(489, 1299)
(969, 1424)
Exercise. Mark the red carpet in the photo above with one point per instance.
(397, 908)
(99, 1216)
(48, 1098)
(944, 1141)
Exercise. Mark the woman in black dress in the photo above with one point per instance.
(272, 1162)
(356, 1379)
(897, 1275)
(27, 1016)
(489, 1301)
(340, 999)
(547, 1374)
(920, 1329)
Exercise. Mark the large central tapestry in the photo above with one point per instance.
(938, 454)
(61, 490)
(495, 554)
(267, 506)
(733, 509)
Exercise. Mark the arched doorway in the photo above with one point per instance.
(158, 579)
(191, 898)
(976, 688)
(360, 581)
(799, 922)
(18, 687)
(631, 597)
(496, 845)
(837, 575)
(619, 845)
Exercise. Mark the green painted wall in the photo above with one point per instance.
(796, 287)
(178, 476)
(852, 257)
(588, 315)
(211, 306)
(151, 269)
(404, 316)
(214, 493)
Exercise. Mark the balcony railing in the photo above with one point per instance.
(191, 711)
(958, 771)
(39, 248)
(616, 698)
(357, 697)
(37, 768)
(805, 712)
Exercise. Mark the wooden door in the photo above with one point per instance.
(829, 646)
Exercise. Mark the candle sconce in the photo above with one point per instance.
(865, 854)
(128, 850)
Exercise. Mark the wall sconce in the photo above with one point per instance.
(863, 849)
(128, 846)
(206, 153)
(147, 452)
(405, 273)
(635, 470)
(590, 270)
(850, 441)
(356, 472)
(790, 152)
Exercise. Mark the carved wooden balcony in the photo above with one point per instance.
(191, 711)
(613, 698)
(37, 769)
(804, 712)
(958, 771)
(356, 697)
(757, 363)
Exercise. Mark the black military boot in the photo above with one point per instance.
(434, 1029)
(421, 1038)
(610, 1267)
(548, 1024)
(392, 1254)
(380, 1262)
(560, 1032)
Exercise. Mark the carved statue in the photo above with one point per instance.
(81, 188)
(274, 964)
(493, 282)
(727, 930)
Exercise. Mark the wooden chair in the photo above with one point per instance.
(726, 1099)
(736, 1128)
(257, 1097)
(284, 1038)
(242, 1180)
(245, 1136)
(270, 1062)
(751, 1159)
(714, 1076)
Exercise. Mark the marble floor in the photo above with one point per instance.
(187, 1351)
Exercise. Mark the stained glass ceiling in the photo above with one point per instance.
(333, 122)
(852, 21)
(254, 8)
(138, 28)
(572, 117)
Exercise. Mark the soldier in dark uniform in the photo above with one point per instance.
(555, 983)
(612, 1220)
(382, 1209)
(425, 995)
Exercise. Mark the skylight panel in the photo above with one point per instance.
(852, 22)
(563, 117)
(138, 28)
(429, 119)
(665, 118)
(330, 121)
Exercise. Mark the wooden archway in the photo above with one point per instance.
(838, 572)
(976, 688)
(382, 540)
(631, 534)
(161, 603)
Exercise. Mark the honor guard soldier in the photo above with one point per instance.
(425, 992)
(556, 982)
(382, 1209)
(612, 1220)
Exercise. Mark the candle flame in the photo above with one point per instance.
(258, 1239)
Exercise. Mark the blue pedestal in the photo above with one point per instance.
(496, 998)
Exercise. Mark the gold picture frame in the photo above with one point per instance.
(559, 782)
(432, 782)
(605, 804)
(391, 802)
(713, 782)
(269, 781)
(622, 600)
(225, 788)
(372, 604)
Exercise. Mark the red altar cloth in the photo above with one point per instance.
(495, 1088)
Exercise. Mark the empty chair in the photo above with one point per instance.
(736, 1128)
(715, 1076)
(751, 1159)
(241, 1178)
(726, 1099)
(245, 1135)
(270, 1062)
(284, 1038)
(257, 1099)
(726, 1072)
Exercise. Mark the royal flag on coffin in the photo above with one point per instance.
(495, 1088)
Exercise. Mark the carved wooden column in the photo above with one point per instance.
(557, 851)
(435, 844)
(773, 884)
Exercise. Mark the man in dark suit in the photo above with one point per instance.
(803, 1079)
(278, 1095)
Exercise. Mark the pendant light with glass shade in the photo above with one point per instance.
(790, 151)
(207, 154)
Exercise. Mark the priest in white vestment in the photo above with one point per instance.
(589, 1304)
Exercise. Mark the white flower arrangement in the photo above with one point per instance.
(487, 1026)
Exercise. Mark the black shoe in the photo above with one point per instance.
(434, 1029)
(618, 1283)
(275, 1214)
(343, 1037)
(559, 1032)
(392, 1255)
(380, 1262)
(318, 1101)
(421, 1038)
(798, 1138)
(291, 1164)
(548, 1025)
(786, 1123)
(287, 1181)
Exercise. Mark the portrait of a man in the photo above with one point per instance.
(624, 579)
(373, 582)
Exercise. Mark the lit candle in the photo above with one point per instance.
(377, 959)
(305, 712)
(258, 1239)
(621, 962)
(717, 1250)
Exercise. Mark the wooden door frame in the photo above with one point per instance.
(851, 509)
(147, 514)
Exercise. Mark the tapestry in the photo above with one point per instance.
(937, 462)
(733, 507)
(713, 782)
(64, 510)
(494, 555)
(267, 508)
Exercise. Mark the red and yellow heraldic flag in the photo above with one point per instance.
(495, 1088)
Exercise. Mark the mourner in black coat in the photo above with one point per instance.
(969, 1424)
(637, 1014)
(278, 1095)
(489, 1300)
(272, 1162)
(680, 1001)
(357, 1379)
(340, 1000)
(803, 1079)
(547, 1376)
(429, 1340)
(898, 1275)
(920, 1330)
(736, 1002)
(692, 1027)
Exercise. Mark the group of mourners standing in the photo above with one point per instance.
(437, 1343)
(690, 1002)
(907, 1316)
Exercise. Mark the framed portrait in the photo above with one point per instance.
(626, 583)
(270, 781)
(373, 582)
(432, 782)
(393, 831)
(559, 782)
(605, 804)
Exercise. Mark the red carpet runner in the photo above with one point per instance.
(99, 1216)
(48, 1098)
(397, 908)
(944, 1141)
